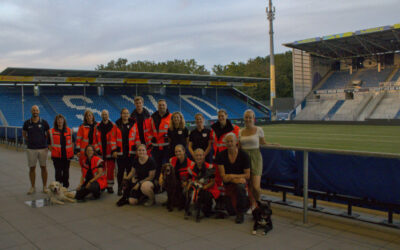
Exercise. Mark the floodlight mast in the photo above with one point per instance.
(271, 16)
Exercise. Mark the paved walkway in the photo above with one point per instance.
(101, 225)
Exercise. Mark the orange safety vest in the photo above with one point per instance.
(214, 188)
(111, 140)
(218, 143)
(183, 172)
(55, 140)
(95, 163)
(161, 133)
(131, 138)
(82, 138)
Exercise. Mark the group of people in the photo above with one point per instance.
(141, 144)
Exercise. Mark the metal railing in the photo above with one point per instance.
(12, 135)
(306, 152)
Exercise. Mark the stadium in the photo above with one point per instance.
(338, 152)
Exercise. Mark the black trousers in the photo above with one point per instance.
(61, 166)
(124, 165)
(204, 202)
(94, 189)
(242, 200)
(160, 157)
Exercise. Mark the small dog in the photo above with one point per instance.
(262, 217)
(58, 194)
(173, 187)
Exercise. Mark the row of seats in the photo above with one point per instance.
(72, 101)
(370, 78)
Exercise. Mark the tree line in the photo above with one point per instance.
(254, 67)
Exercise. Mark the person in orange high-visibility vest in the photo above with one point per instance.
(106, 138)
(125, 134)
(142, 127)
(93, 178)
(160, 121)
(202, 184)
(218, 132)
(62, 149)
(85, 135)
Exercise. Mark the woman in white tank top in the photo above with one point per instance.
(250, 139)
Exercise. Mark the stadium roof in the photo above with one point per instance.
(373, 41)
(32, 75)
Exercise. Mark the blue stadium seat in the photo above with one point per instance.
(73, 101)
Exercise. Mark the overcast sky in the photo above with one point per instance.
(78, 34)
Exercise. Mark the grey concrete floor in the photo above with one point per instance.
(101, 225)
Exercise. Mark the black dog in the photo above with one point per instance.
(262, 217)
(173, 187)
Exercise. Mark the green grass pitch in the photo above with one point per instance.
(385, 139)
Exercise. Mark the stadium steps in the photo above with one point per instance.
(388, 107)
(46, 104)
(354, 77)
(369, 109)
(392, 75)
(360, 108)
(321, 83)
(112, 103)
(396, 76)
(3, 119)
(397, 115)
(333, 110)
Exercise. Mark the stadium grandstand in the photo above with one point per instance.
(70, 92)
(352, 76)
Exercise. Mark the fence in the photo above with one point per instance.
(365, 179)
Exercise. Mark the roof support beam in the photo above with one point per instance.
(342, 48)
(376, 44)
(396, 35)
(331, 48)
(364, 45)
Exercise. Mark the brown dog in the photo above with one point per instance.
(173, 187)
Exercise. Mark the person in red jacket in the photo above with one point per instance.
(124, 135)
(93, 179)
(106, 138)
(218, 132)
(62, 149)
(141, 117)
(160, 121)
(202, 175)
(85, 135)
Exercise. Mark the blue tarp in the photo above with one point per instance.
(371, 178)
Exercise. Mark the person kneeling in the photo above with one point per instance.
(138, 184)
(201, 189)
(93, 179)
(234, 169)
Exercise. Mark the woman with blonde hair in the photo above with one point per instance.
(177, 132)
(250, 139)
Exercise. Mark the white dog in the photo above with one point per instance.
(58, 194)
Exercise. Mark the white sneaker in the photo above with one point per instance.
(250, 211)
(31, 191)
(46, 190)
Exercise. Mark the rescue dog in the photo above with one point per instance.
(262, 217)
(192, 199)
(58, 194)
(173, 187)
(194, 194)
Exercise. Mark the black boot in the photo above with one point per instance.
(110, 190)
